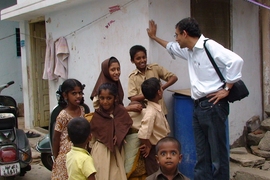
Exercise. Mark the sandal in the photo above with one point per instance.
(32, 134)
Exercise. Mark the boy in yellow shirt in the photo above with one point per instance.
(79, 162)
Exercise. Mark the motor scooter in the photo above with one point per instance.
(15, 150)
(44, 146)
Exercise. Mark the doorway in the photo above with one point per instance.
(40, 86)
(213, 17)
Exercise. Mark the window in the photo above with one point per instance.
(18, 42)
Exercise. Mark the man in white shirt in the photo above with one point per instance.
(211, 108)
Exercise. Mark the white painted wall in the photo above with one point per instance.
(27, 84)
(246, 43)
(94, 43)
(27, 1)
(166, 14)
(10, 68)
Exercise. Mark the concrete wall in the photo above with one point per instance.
(106, 35)
(265, 21)
(96, 42)
(27, 1)
(166, 14)
(246, 43)
(10, 68)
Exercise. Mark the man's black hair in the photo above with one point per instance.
(190, 25)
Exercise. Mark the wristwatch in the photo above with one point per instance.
(227, 88)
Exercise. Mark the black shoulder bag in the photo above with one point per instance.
(239, 89)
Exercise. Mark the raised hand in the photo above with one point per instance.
(152, 29)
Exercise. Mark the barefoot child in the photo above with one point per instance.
(168, 156)
(79, 162)
(109, 126)
(71, 99)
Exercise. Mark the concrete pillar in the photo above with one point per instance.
(265, 37)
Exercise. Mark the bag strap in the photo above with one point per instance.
(213, 63)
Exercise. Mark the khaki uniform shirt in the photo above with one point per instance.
(154, 125)
(136, 78)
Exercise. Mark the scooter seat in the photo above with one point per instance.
(7, 101)
(10, 109)
(7, 121)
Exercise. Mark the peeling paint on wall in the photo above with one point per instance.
(109, 23)
(112, 9)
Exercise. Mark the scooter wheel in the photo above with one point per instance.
(46, 159)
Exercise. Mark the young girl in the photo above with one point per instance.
(110, 72)
(71, 99)
(109, 126)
